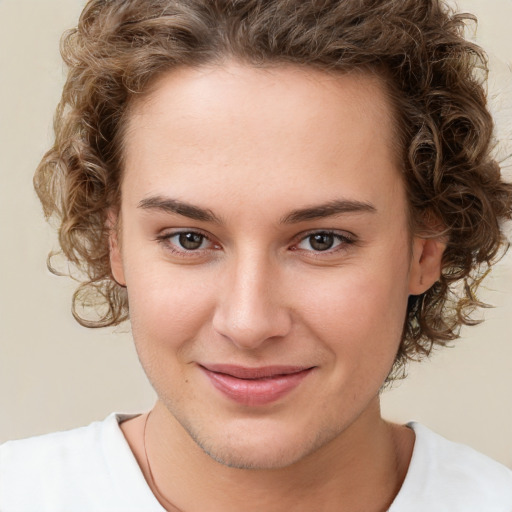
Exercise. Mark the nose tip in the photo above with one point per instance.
(249, 334)
(250, 312)
(250, 328)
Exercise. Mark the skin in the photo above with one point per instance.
(251, 147)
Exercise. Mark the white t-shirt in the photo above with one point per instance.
(92, 469)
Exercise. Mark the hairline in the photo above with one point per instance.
(378, 75)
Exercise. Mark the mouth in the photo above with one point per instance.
(255, 386)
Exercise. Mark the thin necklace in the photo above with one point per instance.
(174, 508)
(161, 497)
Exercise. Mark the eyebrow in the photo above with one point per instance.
(329, 209)
(169, 205)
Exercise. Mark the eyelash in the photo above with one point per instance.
(165, 240)
(343, 240)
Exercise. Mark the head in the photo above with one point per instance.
(432, 77)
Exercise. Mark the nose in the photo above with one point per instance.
(251, 310)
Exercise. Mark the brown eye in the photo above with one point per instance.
(190, 241)
(321, 241)
(325, 241)
(193, 245)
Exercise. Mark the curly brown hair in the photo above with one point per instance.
(435, 78)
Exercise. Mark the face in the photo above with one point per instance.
(265, 249)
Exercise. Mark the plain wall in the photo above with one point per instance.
(55, 374)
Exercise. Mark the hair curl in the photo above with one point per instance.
(434, 75)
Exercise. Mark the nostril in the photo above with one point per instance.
(249, 311)
(250, 329)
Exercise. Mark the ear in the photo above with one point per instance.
(427, 254)
(116, 259)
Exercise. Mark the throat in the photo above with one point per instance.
(354, 472)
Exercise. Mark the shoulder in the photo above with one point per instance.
(78, 469)
(452, 477)
(56, 451)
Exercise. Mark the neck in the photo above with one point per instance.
(362, 469)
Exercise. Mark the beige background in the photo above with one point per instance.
(55, 374)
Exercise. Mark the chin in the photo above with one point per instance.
(257, 449)
(252, 457)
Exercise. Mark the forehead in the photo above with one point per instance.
(238, 128)
(286, 92)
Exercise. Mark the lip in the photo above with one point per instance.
(255, 386)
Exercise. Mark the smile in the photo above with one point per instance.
(255, 386)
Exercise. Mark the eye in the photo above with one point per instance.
(190, 241)
(183, 242)
(322, 241)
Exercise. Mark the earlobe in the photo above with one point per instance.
(426, 264)
(116, 260)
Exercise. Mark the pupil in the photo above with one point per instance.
(322, 241)
(191, 241)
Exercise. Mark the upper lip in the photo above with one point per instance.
(262, 372)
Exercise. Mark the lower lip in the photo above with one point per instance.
(253, 392)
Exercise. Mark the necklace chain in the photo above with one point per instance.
(161, 497)
(168, 503)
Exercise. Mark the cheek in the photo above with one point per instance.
(169, 312)
(167, 305)
(359, 314)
